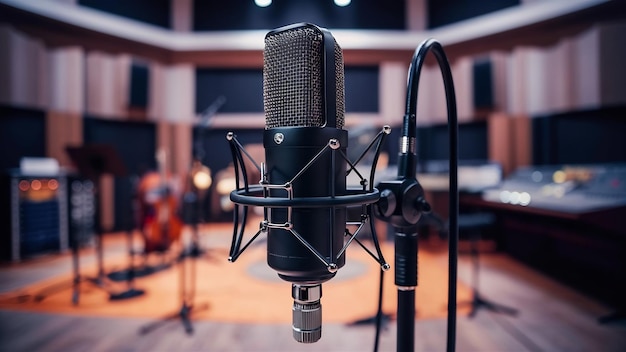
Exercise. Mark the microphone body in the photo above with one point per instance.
(303, 96)
(322, 227)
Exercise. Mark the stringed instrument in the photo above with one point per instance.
(161, 226)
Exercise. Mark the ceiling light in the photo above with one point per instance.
(342, 3)
(263, 3)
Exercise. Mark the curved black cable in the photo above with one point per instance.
(408, 164)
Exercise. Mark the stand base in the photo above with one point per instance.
(98, 281)
(130, 293)
(385, 319)
(184, 314)
(123, 275)
(74, 283)
(479, 302)
(195, 251)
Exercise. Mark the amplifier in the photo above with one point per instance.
(42, 214)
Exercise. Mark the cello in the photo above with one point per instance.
(160, 224)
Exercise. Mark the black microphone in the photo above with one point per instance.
(303, 95)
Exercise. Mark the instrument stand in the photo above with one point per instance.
(77, 278)
(195, 250)
(93, 161)
(479, 302)
(474, 222)
(99, 279)
(41, 295)
(187, 298)
(385, 319)
(130, 274)
(192, 215)
(380, 319)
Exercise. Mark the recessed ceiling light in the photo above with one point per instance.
(342, 3)
(263, 3)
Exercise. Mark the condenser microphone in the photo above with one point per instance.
(303, 97)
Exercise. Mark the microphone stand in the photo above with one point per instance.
(402, 203)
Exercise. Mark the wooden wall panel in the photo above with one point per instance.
(510, 141)
(521, 131)
(63, 129)
(500, 141)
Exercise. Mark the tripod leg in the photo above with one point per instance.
(477, 300)
(150, 327)
(185, 313)
(76, 280)
(182, 314)
(185, 310)
(131, 265)
(494, 307)
(130, 275)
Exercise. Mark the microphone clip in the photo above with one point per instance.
(402, 202)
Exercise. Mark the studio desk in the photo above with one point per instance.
(567, 222)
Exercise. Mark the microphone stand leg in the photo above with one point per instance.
(406, 320)
(478, 301)
(100, 254)
(380, 320)
(74, 283)
(184, 314)
(76, 279)
(131, 292)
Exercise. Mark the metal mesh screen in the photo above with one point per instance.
(293, 78)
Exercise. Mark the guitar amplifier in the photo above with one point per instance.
(42, 214)
(36, 215)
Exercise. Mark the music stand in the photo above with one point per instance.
(93, 161)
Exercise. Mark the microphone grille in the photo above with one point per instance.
(293, 78)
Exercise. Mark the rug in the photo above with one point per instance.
(246, 291)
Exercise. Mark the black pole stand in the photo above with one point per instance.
(406, 249)
(130, 274)
(402, 206)
(199, 195)
(98, 280)
(77, 278)
(380, 319)
(402, 203)
(92, 162)
(187, 298)
(192, 213)
(195, 249)
(478, 301)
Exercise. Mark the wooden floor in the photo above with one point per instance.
(551, 317)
